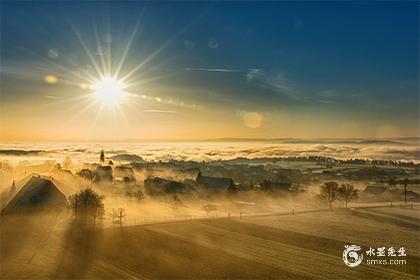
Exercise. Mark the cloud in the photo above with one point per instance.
(20, 152)
(253, 74)
(223, 150)
(213, 70)
(274, 81)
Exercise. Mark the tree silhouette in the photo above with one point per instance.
(329, 191)
(209, 207)
(118, 215)
(138, 195)
(87, 204)
(347, 192)
(175, 203)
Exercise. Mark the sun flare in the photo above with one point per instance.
(109, 92)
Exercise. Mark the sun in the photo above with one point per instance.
(109, 92)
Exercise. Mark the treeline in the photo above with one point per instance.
(329, 160)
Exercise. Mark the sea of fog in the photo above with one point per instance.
(407, 149)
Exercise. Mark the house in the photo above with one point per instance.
(85, 174)
(157, 186)
(214, 183)
(375, 190)
(267, 185)
(394, 171)
(125, 173)
(413, 196)
(38, 193)
(103, 173)
(190, 173)
(128, 157)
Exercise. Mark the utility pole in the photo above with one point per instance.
(405, 190)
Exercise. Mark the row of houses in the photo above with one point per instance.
(172, 180)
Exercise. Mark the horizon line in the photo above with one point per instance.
(219, 139)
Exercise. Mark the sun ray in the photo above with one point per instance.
(150, 80)
(126, 50)
(148, 59)
(100, 50)
(87, 51)
(75, 74)
(157, 52)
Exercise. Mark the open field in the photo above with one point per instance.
(300, 246)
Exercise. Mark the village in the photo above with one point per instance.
(241, 181)
(142, 213)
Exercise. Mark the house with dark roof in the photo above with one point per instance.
(38, 193)
(103, 173)
(214, 183)
(85, 174)
(157, 186)
(267, 185)
(375, 190)
(124, 173)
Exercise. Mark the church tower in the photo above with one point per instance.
(102, 157)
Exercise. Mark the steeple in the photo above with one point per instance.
(102, 157)
(13, 188)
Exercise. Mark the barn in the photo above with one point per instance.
(37, 194)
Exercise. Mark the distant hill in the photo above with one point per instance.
(396, 141)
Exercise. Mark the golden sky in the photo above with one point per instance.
(189, 71)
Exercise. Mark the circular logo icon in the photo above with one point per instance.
(351, 257)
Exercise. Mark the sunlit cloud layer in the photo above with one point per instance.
(86, 152)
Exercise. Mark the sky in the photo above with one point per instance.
(188, 70)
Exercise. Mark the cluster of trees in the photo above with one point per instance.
(137, 195)
(331, 192)
(88, 206)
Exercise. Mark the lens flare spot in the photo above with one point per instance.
(51, 79)
(252, 119)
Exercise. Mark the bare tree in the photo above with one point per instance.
(347, 192)
(329, 191)
(113, 215)
(138, 195)
(118, 215)
(121, 213)
(175, 203)
(209, 207)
